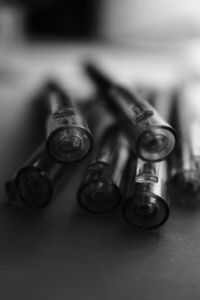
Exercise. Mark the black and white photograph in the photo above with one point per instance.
(99, 149)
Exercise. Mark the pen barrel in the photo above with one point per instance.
(37, 181)
(185, 163)
(151, 137)
(103, 185)
(56, 97)
(68, 136)
(100, 79)
(42, 161)
(148, 205)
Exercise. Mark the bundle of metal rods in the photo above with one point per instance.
(134, 158)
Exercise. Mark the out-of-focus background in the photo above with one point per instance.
(64, 253)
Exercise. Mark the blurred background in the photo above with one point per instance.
(36, 34)
(87, 19)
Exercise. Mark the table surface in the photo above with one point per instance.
(63, 252)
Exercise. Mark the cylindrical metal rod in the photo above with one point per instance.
(36, 182)
(148, 205)
(68, 136)
(185, 163)
(104, 182)
(150, 136)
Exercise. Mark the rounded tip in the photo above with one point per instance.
(33, 186)
(69, 144)
(156, 143)
(146, 211)
(99, 197)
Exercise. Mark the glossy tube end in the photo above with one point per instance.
(34, 187)
(69, 144)
(99, 196)
(156, 143)
(146, 209)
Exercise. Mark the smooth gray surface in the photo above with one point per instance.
(64, 253)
